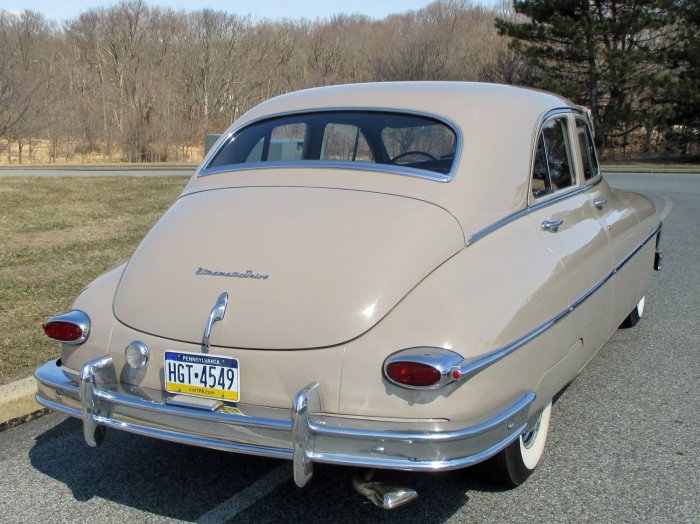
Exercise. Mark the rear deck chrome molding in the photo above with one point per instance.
(328, 164)
(471, 367)
(302, 434)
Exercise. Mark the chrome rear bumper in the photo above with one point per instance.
(303, 434)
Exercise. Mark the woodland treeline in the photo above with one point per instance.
(141, 84)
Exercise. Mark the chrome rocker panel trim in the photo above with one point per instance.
(302, 434)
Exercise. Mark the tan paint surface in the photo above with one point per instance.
(371, 263)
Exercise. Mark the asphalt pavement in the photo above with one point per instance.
(623, 446)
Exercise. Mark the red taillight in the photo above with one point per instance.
(69, 328)
(63, 331)
(413, 373)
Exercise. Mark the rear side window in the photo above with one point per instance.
(588, 157)
(552, 168)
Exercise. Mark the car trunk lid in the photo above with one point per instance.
(302, 267)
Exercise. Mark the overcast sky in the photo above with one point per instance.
(60, 10)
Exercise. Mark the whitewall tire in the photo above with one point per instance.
(514, 464)
(634, 315)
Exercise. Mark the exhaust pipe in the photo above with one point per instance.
(381, 495)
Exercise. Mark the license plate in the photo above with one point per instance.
(208, 376)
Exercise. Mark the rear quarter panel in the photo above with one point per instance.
(483, 298)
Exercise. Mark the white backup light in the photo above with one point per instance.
(136, 354)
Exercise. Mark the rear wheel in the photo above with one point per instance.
(634, 315)
(513, 465)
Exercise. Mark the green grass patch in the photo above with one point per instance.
(56, 235)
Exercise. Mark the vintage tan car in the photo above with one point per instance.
(395, 275)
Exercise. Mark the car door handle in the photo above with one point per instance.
(599, 202)
(552, 225)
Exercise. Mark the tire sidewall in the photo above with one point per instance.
(531, 452)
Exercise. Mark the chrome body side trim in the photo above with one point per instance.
(362, 166)
(302, 434)
(471, 367)
(530, 209)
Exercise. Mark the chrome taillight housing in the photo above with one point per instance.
(69, 328)
(422, 367)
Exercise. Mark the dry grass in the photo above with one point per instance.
(40, 155)
(56, 235)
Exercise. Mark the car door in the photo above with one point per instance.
(568, 227)
(615, 214)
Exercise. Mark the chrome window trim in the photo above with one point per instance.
(369, 166)
(471, 367)
(587, 123)
(566, 112)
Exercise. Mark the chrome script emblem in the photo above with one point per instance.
(217, 313)
(202, 271)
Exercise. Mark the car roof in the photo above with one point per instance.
(498, 125)
(459, 102)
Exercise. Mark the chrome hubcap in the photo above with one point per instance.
(530, 435)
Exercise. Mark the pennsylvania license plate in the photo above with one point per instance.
(202, 375)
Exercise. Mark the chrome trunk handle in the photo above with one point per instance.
(217, 314)
(552, 225)
(599, 202)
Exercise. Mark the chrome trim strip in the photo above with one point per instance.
(333, 164)
(397, 170)
(426, 437)
(195, 440)
(529, 209)
(61, 408)
(134, 402)
(472, 367)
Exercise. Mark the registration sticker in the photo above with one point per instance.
(208, 376)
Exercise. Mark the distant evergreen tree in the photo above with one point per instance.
(684, 70)
(605, 54)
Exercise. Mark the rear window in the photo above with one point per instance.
(345, 137)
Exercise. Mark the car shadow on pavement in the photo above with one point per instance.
(184, 482)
